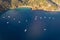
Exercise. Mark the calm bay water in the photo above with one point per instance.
(25, 24)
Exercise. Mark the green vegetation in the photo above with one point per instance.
(4, 6)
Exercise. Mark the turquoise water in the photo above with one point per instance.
(14, 22)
